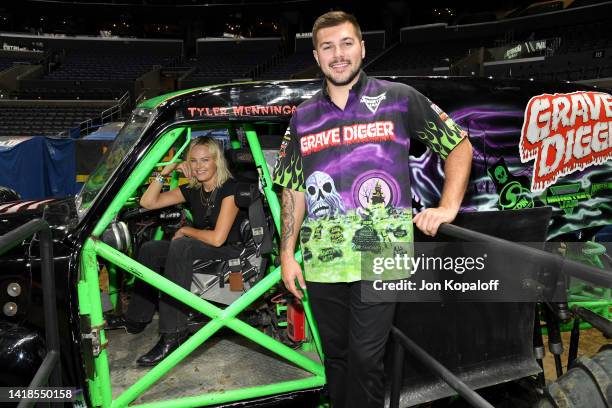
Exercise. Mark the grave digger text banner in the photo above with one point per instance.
(565, 133)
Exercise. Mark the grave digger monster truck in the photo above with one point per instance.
(541, 163)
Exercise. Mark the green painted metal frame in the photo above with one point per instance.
(112, 270)
(90, 303)
(599, 300)
(275, 208)
(179, 151)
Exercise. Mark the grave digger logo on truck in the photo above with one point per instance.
(565, 133)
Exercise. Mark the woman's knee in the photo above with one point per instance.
(152, 249)
(180, 248)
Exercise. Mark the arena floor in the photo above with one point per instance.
(591, 341)
(225, 362)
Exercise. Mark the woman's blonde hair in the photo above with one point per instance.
(216, 151)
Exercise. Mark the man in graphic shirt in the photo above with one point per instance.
(343, 164)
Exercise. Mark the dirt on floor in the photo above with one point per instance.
(225, 362)
(591, 341)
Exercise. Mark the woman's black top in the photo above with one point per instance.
(205, 208)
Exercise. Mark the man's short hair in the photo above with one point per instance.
(332, 19)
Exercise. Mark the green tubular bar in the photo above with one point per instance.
(236, 395)
(89, 266)
(125, 195)
(159, 234)
(599, 300)
(174, 180)
(112, 273)
(112, 285)
(100, 385)
(89, 270)
(180, 150)
(312, 326)
(260, 162)
(275, 209)
(220, 318)
(140, 173)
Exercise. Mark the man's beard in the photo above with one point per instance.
(347, 81)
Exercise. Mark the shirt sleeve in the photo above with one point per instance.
(288, 171)
(228, 189)
(432, 126)
(186, 191)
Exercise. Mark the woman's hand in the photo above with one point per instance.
(178, 234)
(182, 167)
(168, 169)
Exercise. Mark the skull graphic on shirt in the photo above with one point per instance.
(322, 198)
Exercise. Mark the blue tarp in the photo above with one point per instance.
(39, 168)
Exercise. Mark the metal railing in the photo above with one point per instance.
(140, 98)
(49, 372)
(402, 343)
(114, 112)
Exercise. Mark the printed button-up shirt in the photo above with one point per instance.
(352, 165)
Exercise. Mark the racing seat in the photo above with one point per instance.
(210, 277)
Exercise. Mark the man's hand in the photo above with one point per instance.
(457, 172)
(290, 271)
(429, 220)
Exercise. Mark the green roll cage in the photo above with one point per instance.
(90, 304)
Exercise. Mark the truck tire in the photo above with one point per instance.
(587, 384)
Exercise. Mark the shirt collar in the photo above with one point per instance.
(357, 88)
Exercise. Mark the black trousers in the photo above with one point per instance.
(353, 335)
(175, 260)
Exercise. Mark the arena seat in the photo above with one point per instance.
(606, 72)
(405, 59)
(289, 66)
(82, 93)
(101, 66)
(302, 59)
(44, 120)
(7, 61)
(221, 68)
(575, 35)
(219, 60)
